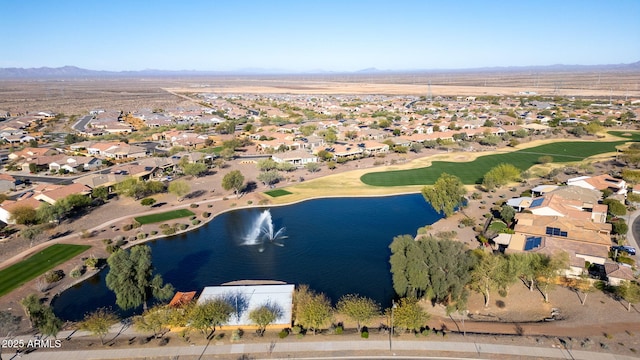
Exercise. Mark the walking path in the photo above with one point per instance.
(331, 349)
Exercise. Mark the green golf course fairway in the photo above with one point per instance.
(472, 172)
(37, 264)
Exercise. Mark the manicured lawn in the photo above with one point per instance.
(18, 274)
(497, 226)
(169, 215)
(473, 171)
(277, 192)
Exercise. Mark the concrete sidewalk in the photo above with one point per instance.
(332, 349)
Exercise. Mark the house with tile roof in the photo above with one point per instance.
(600, 182)
(7, 206)
(583, 240)
(62, 191)
(298, 158)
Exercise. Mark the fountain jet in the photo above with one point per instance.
(263, 231)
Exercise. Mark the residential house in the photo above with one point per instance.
(298, 158)
(600, 182)
(58, 192)
(617, 273)
(583, 240)
(7, 206)
(30, 153)
(554, 204)
(117, 150)
(74, 164)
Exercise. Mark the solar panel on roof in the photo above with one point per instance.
(563, 233)
(532, 242)
(549, 231)
(537, 202)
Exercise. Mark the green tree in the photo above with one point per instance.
(195, 169)
(100, 192)
(47, 322)
(548, 271)
(307, 130)
(265, 315)
(630, 292)
(30, 233)
(593, 127)
(155, 320)
(507, 213)
(209, 315)
(270, 177)
(437, 269)
(545, 159)
(409, 315)
(147, 201)
(24, 215)
(31, 305)
(285, 166)
(582, 285)
(131, 278)
(501, 175)
(227, 153)
(316, 312)
(615, 207)
(233, 180)
(131, 187)
(99, 322)
(312, 167)
(447, 193)
(179, 188)
(357, 308)
(266, 164)
(486, 273)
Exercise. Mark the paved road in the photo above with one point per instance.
(633, 234)
(82, 123)
(297, 349)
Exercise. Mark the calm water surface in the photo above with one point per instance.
(336, 246)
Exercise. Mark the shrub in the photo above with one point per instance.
(339, 330)
(121, 241)
(169, 231)
(77, 271)
(111, 248)
(283, 333)
(297, 329)
(194, 206)
(91, 262)
(236, 334)
(249, 202)
(52, 276)
(206, 214)
(106, 241)
(183, 226)
(127, 227)
(468, 221)
(164, 226)
(195, 222)
(141, 236)
(154, 232)
(210, 206)
(364, 334)
(118, 238)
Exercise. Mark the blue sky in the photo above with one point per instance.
(308, 35)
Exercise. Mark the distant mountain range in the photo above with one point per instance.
(66, 72)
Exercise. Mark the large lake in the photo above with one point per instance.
(336, 246)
